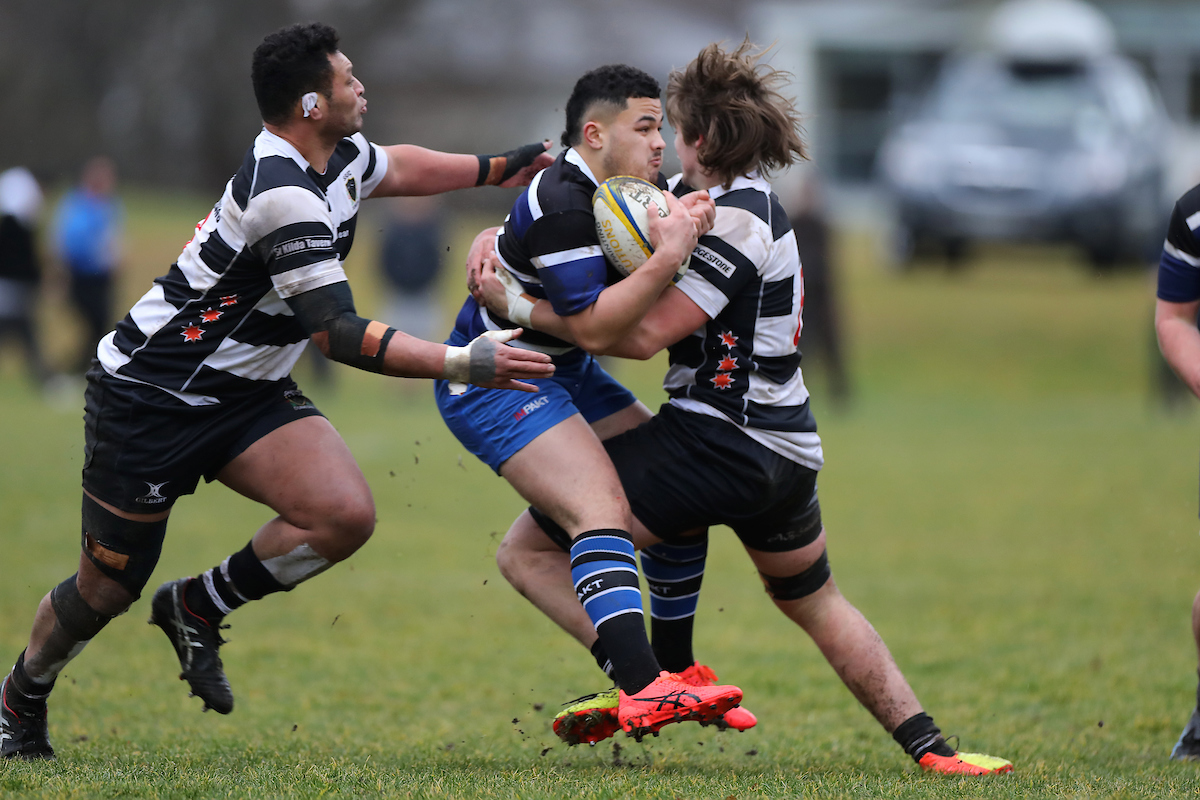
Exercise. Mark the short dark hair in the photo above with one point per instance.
(288, 64)
(737, 105)
(615, 84)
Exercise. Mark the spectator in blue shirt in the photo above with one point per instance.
(88, 237)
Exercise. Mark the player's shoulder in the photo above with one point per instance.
(566, 185)
(753, 196)
(272, 164)
(1188, 206)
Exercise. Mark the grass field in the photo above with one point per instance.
(1005, 501)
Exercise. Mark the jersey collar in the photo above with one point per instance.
(751, 180)
(573, 157)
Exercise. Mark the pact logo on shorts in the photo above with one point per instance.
(530, 407)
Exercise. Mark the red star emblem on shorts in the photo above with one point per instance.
(192, 333)
(722, 380)
(728, 339)
(728, 363)
(229, 300)
(210, 315)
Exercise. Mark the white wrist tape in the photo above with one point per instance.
(457, 368)
(520, 305)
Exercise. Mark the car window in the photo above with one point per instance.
(1018, 95)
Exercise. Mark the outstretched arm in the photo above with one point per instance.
(416, 170)
(328, 314)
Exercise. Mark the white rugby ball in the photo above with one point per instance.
(621, 206)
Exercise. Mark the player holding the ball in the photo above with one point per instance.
(548, 445)
(736, 444)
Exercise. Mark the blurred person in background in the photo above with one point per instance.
(410, 260)
(1175, 312)
(20, 268)
(196, 381)
(823, 338)
(87, 229)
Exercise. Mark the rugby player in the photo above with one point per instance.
(1175, 320)
(549, 447)
(739, 415)
(195, 380)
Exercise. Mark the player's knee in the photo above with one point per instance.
(355, 526)
(800, 585)
(77, 617)
(123, 550)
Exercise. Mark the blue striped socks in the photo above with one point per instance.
(606, 582)
(673, 574)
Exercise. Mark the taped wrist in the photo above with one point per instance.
(494, 170)
(520, 305)
(474, 363)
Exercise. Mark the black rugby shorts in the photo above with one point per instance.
(683, 471)
(143, 448)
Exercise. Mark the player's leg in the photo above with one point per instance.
(566, 473)
(120, 552)
(304, 472)
(801, 585)
(673, 573)
(1187, 748)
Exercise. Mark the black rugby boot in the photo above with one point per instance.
(196, 642)
(23, 732)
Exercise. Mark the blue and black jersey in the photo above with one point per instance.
(1179, 266)
(549, 244)
(217, 326)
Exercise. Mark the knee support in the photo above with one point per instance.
(123, 549)
(801, 585)
(77, 619)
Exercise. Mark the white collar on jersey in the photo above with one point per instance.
(576, 159)
(751, 180)
(272, 143)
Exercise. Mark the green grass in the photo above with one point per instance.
(1004, 501)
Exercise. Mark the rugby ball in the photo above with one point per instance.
(621, 206)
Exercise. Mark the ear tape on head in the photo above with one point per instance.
(308, 102)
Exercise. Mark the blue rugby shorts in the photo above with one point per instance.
(495, 424)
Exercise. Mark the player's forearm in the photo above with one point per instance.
(410, 357)
(1179, 340)
(620, 307)
(414, 171)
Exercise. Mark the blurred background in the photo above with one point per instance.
(938, 130)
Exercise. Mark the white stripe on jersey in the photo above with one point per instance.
(258, 362)
(1193, 221)
(535, 208)
(1174, 251)
(305, 279)
(563, 256)
(803, 448)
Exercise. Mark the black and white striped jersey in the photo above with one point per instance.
(217, 325)
(1179, 266)
(744, 365)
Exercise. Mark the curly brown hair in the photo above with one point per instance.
(732, 104)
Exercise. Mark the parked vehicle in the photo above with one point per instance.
(1031, 144)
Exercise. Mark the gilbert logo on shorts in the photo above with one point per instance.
(531, 406)
(154, 496)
